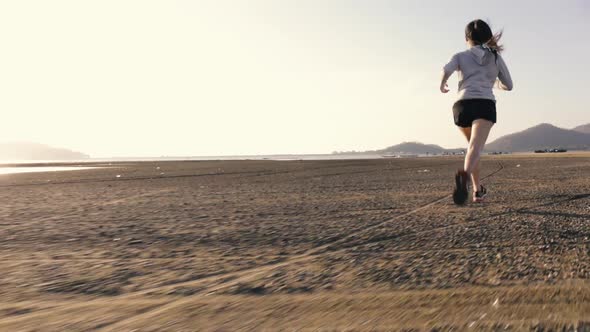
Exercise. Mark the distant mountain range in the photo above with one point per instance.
(583, 128)
(540, 137)
(543, 136)
(35, 151)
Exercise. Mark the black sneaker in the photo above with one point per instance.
(480, 195)
(460, 194)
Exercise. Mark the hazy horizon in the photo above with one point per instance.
(341, 152)
(220, 77)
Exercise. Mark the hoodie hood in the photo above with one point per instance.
(480, 54)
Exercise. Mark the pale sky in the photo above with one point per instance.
(230, 77)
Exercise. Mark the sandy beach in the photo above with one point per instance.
(296, 245)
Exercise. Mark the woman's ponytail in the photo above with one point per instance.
(494, 42)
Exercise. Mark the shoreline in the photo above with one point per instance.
(311, 157)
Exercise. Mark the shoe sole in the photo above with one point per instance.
(479, 199)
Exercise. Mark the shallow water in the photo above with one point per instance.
(15, 170)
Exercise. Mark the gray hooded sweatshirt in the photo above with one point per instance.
(479, 72)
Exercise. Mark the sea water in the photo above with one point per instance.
(15, 170)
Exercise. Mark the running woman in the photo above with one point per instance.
(481, 68)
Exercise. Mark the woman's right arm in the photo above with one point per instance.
(447, 71)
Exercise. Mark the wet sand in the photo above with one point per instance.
(296, 245)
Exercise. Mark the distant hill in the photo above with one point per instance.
(413, 148)
(583, 128)
(543, 136)
(35, 151)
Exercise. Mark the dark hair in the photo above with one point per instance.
(480, 33)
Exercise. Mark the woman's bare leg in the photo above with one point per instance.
(475, 174)
(480, 131)
(466, 132)
(475, 178)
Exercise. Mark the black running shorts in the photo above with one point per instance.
(468, 110)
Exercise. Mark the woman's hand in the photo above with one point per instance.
(444, 88)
